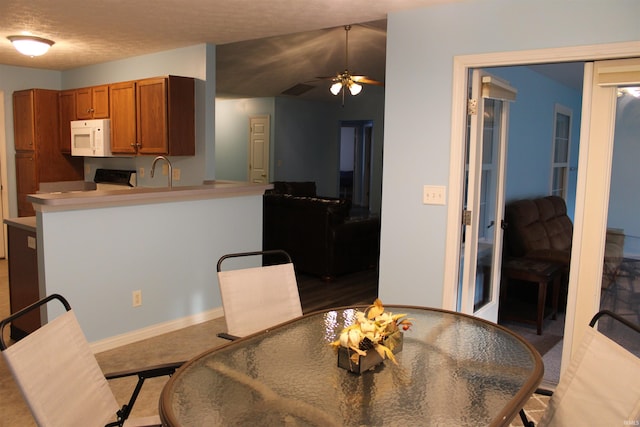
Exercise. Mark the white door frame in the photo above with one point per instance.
(461, 66)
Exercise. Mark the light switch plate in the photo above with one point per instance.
(434, 195)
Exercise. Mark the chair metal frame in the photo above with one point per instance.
(143, 374)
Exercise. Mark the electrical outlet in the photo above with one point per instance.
(87, 170)
(141, 172)
(176, 174)
(433, 195)
(137, 298)
(165, 169)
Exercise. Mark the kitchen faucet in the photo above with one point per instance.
(153, 168)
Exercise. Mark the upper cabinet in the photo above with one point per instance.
(153, 116)
(92, 102)
(122, 97)
(25, 117)
(67, 101)
(36, 116)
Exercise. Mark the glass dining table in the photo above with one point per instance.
(453, 369)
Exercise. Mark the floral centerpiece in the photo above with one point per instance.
(374, 329)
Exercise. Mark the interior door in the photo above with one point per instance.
(259, 149)
(488, 119)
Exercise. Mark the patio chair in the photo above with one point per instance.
(60, 378)
(600, 387)
(257, 298)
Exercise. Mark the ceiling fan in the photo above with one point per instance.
(345, 80)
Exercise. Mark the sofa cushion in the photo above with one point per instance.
(525, 232)
(558, 226)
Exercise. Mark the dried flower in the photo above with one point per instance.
(371, 330)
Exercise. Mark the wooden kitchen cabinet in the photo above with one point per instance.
(36, 127)
(24, 288)
(92, 102)
(26, 181)
(67, 103)
(153, 116)
(122, 97)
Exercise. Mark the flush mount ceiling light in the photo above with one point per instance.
(31, 45)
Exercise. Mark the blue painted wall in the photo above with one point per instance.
(232, 134)
(305, 138)
(96, 258)
(531, 133)
(624, 200)
(423, 42)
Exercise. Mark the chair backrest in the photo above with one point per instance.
(59, 376)
(599, 388)
(259, 297)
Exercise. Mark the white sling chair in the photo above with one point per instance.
(257, 298)
(601, 386)
(60, 378)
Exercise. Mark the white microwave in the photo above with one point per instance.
(91, 138)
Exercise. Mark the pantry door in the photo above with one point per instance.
(482, 218)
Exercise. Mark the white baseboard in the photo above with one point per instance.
(155, 330)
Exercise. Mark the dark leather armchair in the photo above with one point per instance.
(540, 229)
(318, 233)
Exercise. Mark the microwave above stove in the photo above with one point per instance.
(91, 138)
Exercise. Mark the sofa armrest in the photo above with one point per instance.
(356, 245)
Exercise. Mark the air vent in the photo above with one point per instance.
(298, 89)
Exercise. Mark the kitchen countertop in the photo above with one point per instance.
(26, 223)
(63, 201)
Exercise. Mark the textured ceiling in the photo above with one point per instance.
(263, 48)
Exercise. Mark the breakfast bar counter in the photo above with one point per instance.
(59, 201)
(99, 248)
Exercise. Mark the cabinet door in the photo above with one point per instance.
(92, 102)
(83, 103)
(23, 120)
(23, 279)
(151, 103)
(100, 101)
(67, 114)
(122, 104)
(26, 181)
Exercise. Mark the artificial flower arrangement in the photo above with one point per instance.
(374, 329)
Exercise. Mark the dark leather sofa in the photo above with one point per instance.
(318, 233)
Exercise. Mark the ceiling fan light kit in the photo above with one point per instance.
(346, 80)
(31, 45)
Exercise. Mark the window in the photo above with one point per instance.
(560, 150)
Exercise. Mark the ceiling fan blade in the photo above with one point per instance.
(326, 77)
(366, 80)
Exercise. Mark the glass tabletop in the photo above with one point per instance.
(453, 370)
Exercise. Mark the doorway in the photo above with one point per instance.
(355, 162)
(580, 302)
(259, 141)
